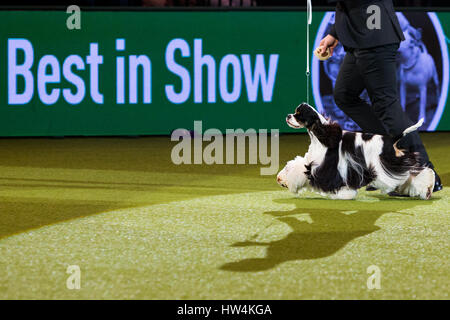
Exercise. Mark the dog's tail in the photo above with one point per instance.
(399, 152)
(413, 128)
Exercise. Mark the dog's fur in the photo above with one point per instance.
(339, 162)
(293, 176)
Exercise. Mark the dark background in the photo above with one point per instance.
(205, 3)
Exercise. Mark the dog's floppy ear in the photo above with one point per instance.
(311, 122)
(328, 134)
(416, 34)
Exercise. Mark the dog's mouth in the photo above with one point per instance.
(282, 184)
(290, 120)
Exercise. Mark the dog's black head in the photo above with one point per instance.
(304, 116)
(327, 132)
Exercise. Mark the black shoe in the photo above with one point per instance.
(437, 183)
(370, 188)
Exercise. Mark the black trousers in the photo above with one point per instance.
(375, 69)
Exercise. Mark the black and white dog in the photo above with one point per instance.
(340, 162)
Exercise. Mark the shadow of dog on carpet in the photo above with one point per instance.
(329, 231)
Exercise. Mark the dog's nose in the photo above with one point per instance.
(289, 116)
(278, 179)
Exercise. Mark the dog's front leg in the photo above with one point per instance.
(402, 90)
(423, 102)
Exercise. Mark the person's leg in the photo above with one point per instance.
(348, 88)
(377, 67)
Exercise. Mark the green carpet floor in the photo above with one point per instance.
(140, 227)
